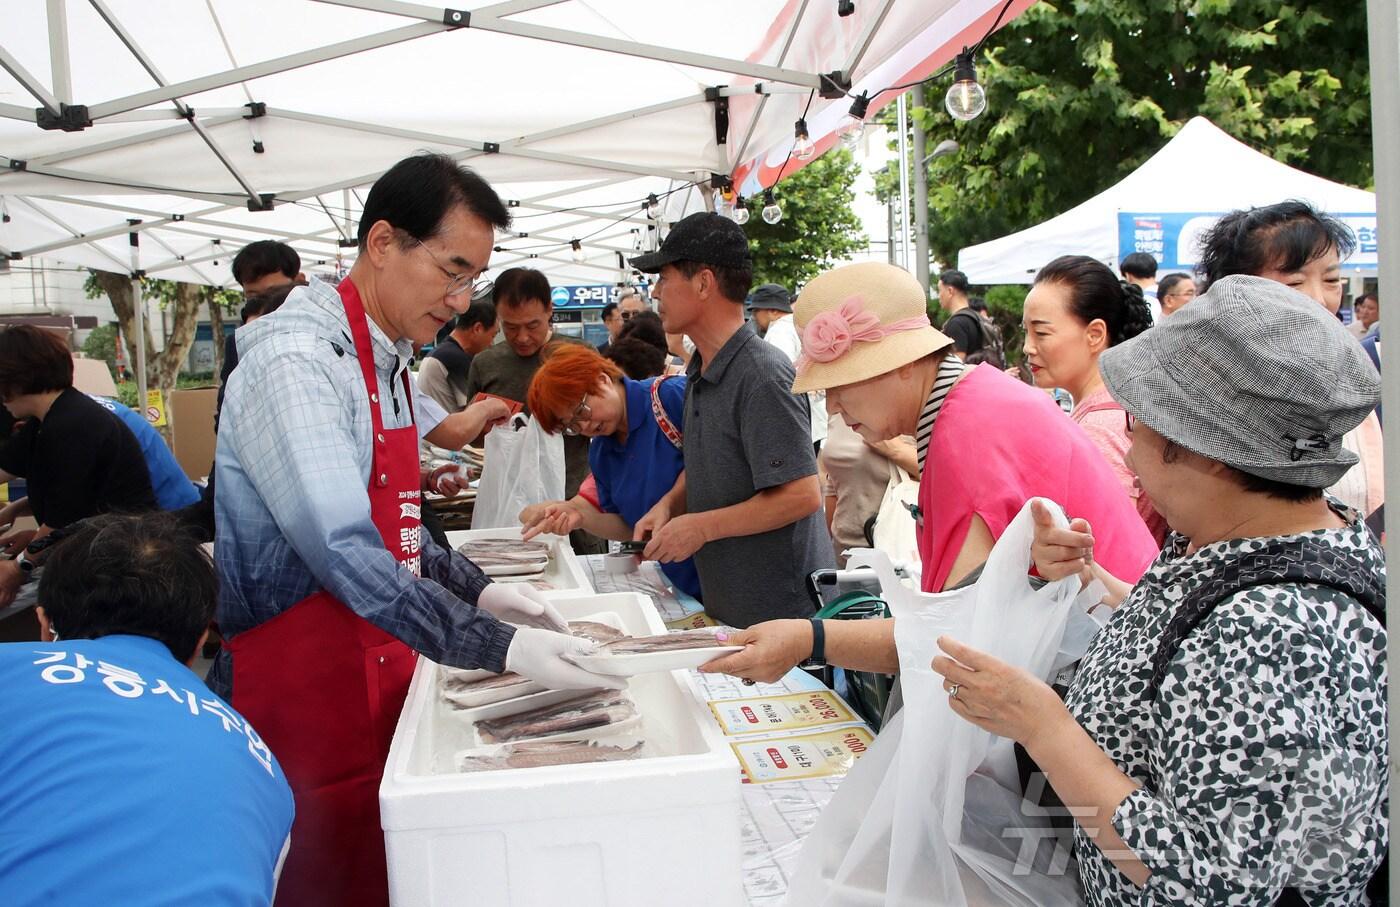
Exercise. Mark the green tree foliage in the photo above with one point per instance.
(101, 343)
(818, 226)
(1080, 93)
(183, 301)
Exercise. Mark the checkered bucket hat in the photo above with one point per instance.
(1253, 375)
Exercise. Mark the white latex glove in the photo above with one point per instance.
(521, 603)
(541, 656)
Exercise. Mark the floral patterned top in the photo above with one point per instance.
(1262, 758)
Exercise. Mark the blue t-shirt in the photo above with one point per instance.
(632, 477)
(172, 487)
(126, 781)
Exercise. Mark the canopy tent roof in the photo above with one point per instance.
(221, 122)
(1202, 170)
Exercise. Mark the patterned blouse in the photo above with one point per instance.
(1262, 758)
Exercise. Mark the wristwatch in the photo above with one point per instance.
(26, 566)
(818, 657)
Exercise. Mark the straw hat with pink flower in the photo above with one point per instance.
(861, 321)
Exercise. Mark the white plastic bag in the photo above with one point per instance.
(933, 813)
(895, 531)
(523, 465)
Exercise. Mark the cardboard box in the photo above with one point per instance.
(92, 376)
(191, 414)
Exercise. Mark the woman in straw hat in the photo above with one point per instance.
(1225, 738)
(986, 444)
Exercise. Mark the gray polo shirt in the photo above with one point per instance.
(746, 431)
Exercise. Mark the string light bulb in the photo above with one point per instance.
(852, 126)
(741, 211)
(966, 99)
(653, 206)
(771, 212)
(803, 148)
(578, 250)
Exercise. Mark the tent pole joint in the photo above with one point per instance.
(70, 118)
(457, 18)
(491, 147)
(717, 97)
(18, 165)
(835, 85)
(264, 202)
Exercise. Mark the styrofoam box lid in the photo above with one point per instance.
(692, 765)
(565, 572)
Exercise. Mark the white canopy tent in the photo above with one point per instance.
(1178, 192)
(215, 123)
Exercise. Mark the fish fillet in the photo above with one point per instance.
(546, 752)
(585, 712)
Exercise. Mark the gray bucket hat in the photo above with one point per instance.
(1251, 374)
(771, 296)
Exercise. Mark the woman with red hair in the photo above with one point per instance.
(635, 456)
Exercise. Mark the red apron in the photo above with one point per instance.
(324, 687)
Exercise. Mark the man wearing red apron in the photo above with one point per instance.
(328, 586)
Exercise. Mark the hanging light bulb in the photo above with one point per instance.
(578, 250)
(771, 212)
(741, 211)
(653, 206)
(852, 126)
(803, 148)
(966, 99)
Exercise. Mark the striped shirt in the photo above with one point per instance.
(949, 371)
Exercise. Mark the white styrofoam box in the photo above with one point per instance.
(664, 829)
(564, 572)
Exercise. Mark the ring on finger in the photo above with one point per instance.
(953, 691)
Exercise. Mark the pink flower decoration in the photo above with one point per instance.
(830, 334)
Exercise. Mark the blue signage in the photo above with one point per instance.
(1174, 238)
(592, 296)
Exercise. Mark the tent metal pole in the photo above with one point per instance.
(59, 64)
(903, 111)
(126, 141)
(585, 212)
(31, 84)
(140, 308)
(763, 102)
(920, 203)
(484, 20)
(1383, 24)
(94, 236)
(534, 200)
(16, 112)
(867, 37)
(78, 238)
(103, 185)
(644, 51)
(597, 164)
(149, 65)
(264, 68)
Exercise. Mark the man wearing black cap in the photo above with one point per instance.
(771, 307)
(748, 505)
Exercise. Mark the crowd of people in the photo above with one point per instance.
(1224, 740)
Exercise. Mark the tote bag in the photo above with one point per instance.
(932, 815)
(523, 465)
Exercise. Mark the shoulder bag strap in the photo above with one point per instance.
(668, 428)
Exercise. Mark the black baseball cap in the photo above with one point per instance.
(705, 238)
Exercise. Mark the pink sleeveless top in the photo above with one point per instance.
(998, 442)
